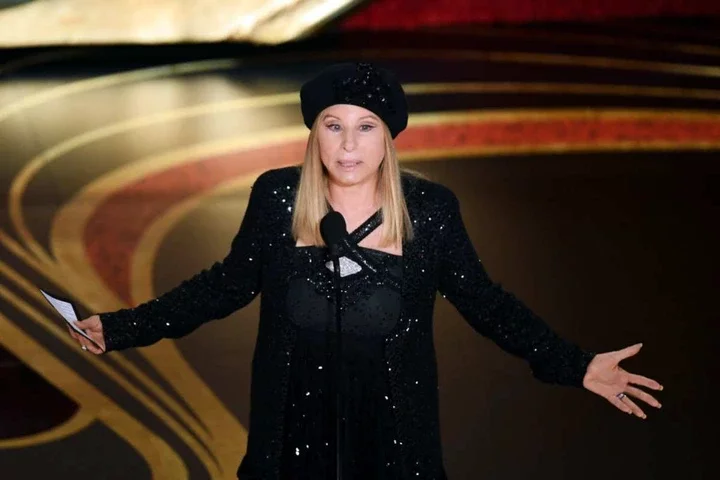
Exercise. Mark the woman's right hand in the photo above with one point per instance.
(93, 327)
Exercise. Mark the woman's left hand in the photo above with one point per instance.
(605, 377)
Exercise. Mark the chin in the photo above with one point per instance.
(343, 177)
(346, 179)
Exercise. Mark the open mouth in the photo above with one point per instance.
(349, 163)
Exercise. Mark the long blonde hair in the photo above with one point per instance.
(311, 199)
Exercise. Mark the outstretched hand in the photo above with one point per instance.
(608, 379)
(93, 327)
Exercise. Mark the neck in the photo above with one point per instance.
(354, 198)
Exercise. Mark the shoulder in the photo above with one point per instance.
(272, 180)
(422, 193)
(285, 176)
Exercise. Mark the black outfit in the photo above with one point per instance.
(371, 309)
(393, 429)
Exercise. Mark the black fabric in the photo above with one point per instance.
(309, 445)
(263, 258)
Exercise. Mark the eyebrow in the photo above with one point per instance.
(372, 117)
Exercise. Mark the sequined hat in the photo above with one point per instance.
(361, 84)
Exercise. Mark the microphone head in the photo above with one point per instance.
(333, 228)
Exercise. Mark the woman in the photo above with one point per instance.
(406, 242)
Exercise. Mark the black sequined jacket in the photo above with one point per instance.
(440, 258)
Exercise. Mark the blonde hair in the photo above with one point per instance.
(311, 199)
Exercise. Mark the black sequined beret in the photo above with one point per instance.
(360, 84)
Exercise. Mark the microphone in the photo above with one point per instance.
(334, 230)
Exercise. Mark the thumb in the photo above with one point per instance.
(628, 351)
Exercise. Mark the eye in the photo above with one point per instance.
(366, 127)
(334, 127)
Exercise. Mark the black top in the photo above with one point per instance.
(370, 302)
(263, 259)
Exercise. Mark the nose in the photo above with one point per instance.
(349, 141)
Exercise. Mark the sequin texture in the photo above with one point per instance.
(371, 307)
(440, 258)
(365, 88)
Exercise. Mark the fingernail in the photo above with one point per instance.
(644, 417)
(661, 387)
(659, 405)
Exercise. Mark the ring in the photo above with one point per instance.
(84, 347)
(620, 396)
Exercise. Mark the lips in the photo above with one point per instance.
(348, 163)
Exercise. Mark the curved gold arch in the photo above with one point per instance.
(162, 460)
(114, 80)
(79, 421)
(60, 333)
(20, 182)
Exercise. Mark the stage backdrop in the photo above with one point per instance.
(412, 14)
(60, 22)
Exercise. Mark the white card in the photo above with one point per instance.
(68, 313)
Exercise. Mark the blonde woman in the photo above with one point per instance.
(406, 242)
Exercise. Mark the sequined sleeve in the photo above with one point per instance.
(211, 294)
(497, 313)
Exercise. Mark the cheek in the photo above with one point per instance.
(376, 150)
(328, 145)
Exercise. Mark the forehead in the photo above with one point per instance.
(347, 112)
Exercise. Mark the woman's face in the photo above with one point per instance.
(352, 144)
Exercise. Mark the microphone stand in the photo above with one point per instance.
(339, 430)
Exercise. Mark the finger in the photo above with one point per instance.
(619, 404)
(94, 349)
(644, 381)
(74, 334)
(85, 344)
(635, 409)
(628, 351)
(97, 344)
(89, 323)
(83, 325)
(644, 396)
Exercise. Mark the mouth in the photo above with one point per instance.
(349, 163)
